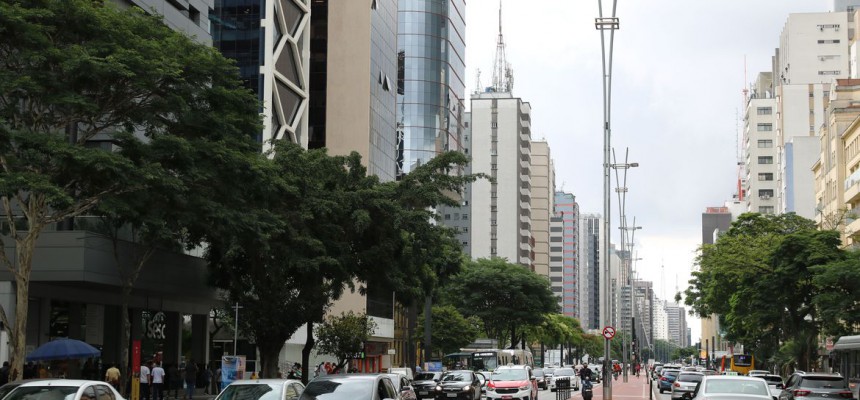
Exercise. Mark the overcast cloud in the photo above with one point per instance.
(677, 100)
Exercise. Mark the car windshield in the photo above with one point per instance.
(338, 389)
(426, 376)
(690, 377)
(251, 392)
(456, 377)
(771, 379)
(509, 375)
(564, 372)
(823, 382)
(736, 386)
(44, 393)
(538, 373)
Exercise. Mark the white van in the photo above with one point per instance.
(402, 371)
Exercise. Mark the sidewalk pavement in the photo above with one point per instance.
(636, 388)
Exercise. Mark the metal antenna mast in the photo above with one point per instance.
(503, 75)
(603, 25)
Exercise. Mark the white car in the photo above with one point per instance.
(255, 389)
(64, 389)
(732, 387)
(564, 373)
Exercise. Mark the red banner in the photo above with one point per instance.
(135, 357)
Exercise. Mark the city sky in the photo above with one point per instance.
(677, 104)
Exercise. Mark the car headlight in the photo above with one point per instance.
(526, 387)
(438, 388)
(466, 388)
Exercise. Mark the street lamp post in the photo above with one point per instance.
(603, 25)
(621, 189)
(628, 266)
(236, 329)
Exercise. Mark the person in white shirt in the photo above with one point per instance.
(158, 383)
(145, 379)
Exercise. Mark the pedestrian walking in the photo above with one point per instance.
(4, 373)
(218, 378)
(207, 377)
(190, 379)
(145, 380)
(112, 376)
(157, 382)
(174, 379)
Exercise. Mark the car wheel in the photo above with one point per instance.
(661, 391)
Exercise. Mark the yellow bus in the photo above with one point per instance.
(742, 363)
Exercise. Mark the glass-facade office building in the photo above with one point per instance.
(431, 81)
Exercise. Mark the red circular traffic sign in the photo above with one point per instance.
(608, 332)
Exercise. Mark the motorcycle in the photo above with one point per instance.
(587, 389)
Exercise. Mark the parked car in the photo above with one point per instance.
(402, 386)
(564, 373)
(721, 387)
(66, 389)
(686, 384)
(424, 384)
(815, 385)
(349, 387)
(262, 389)
(402, 371)
(512, 382)
(541, 378)
(459, 385)
(667, 379)
(757, 372)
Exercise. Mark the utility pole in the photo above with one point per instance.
(236, 329)
(603, 25)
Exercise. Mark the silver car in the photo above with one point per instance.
(725, 387)
(686, 384)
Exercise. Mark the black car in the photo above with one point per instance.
(815, 386)
(459, 385)
(350, 387)
(424, 384)
(541, 379)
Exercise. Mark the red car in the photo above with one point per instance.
(512, 382)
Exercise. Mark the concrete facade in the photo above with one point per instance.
(761, 147)
(801, 154)
(190, 17)
(676, 317)
(567, 209)
(542, 179)
(501, 148)
(556, 258)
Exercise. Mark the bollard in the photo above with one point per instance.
(650, 390)
(562, 389)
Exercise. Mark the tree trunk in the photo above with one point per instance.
(411, 326)
(513, 337)
(306, 353)
(269, 355)
(125, 339)
(25, 249)
(428, 329)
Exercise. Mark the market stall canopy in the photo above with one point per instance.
(62, 349)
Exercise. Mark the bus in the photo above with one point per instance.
(740, 363)
(845, 359)
(490, 359)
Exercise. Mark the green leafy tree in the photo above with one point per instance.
(507, 297)
(837, 297)
(344, 336)
(77, 71)
(759, 278)
(451, 330)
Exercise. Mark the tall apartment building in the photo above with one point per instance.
(566, 251)
(644, 312)
(432, 50)
(813, 52)
(458, 217)
(501, 223)
(716, 221)
(591, 241)
(661, 321)
(676, 317)
(542, 200)
(760, 147)
(836, 181)
(556, 258)
(190, 17)
(270, 41)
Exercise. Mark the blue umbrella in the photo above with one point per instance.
(61, 349)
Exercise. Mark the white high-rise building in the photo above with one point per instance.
(676, 317)
(661, 321)
(542, 204)
(501, 148)
(760, 147)
(812, 53)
